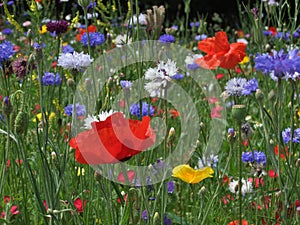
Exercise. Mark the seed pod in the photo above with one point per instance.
(21, 123)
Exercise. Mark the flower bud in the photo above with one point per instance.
(239, 112)
(53, 155)
(84, 3)
(259, 95)
(7, 106)
(21, 123)
(271, 95)
(71, 83)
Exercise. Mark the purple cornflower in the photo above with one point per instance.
(166, 38)
(125, 84)
(196, 24)
(58, 27)
(235, 86)
(171, 187)
(50, 79)
(167, 221)
(96, 38)
(80, 110)
(67, 49)
(6, 51)
(21, 68)
(147, 109)
(254, 157)
(145, 215)
(250, 86)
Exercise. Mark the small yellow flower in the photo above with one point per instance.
(43, 30)
(190, 175)
(245, 60)
(39, 116)
(298, 113)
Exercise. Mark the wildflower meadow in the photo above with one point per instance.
(112, 113)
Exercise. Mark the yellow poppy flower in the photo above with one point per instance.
(245, 60)
(43, 30)
(190, 175)
(39, 116)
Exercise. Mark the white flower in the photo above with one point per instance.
(190, 59)
(74, 61)
(160, 78)
(100, 117)
(142, 20)
(242, 40)
(122, 39)
(246, 186)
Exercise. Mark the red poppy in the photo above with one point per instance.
(272, 174)
(113, 140)
(79, 205)
(220, 53)
(174, 113)
(130, 176)
(273, 30)
(283, 152)
(237, 222)
(91, 29)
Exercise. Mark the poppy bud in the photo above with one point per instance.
(71, 83)
(259, 95)
(21, 123)
(156, 219)
(239, 112)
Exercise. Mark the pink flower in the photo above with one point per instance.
(14, 210)
(216, 112)
(130, 176)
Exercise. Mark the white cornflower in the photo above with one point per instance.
(74, 61)
(100, 117)
(160, 78)
(210, 160)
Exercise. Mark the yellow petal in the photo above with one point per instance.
(189, 175)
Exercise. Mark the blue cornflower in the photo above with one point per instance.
(254, 157)
(279, 64)
(196, 24)
(296, 138)
(235, 86)
(96, 38)
(50, 79)
(230, 130)
(286, 135)
(166, 38)
(250, 86)
(67, 49)
(260, 157)
(10, 3)
(193, 66)
(6, 51)
(80, 110)
(177, 76)
(7, 31)
(147, 109)
(171, 187)
(125, 84)
(38, 46)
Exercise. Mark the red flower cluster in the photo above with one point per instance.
(220, 53)
(91, 29)
(113, 140)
